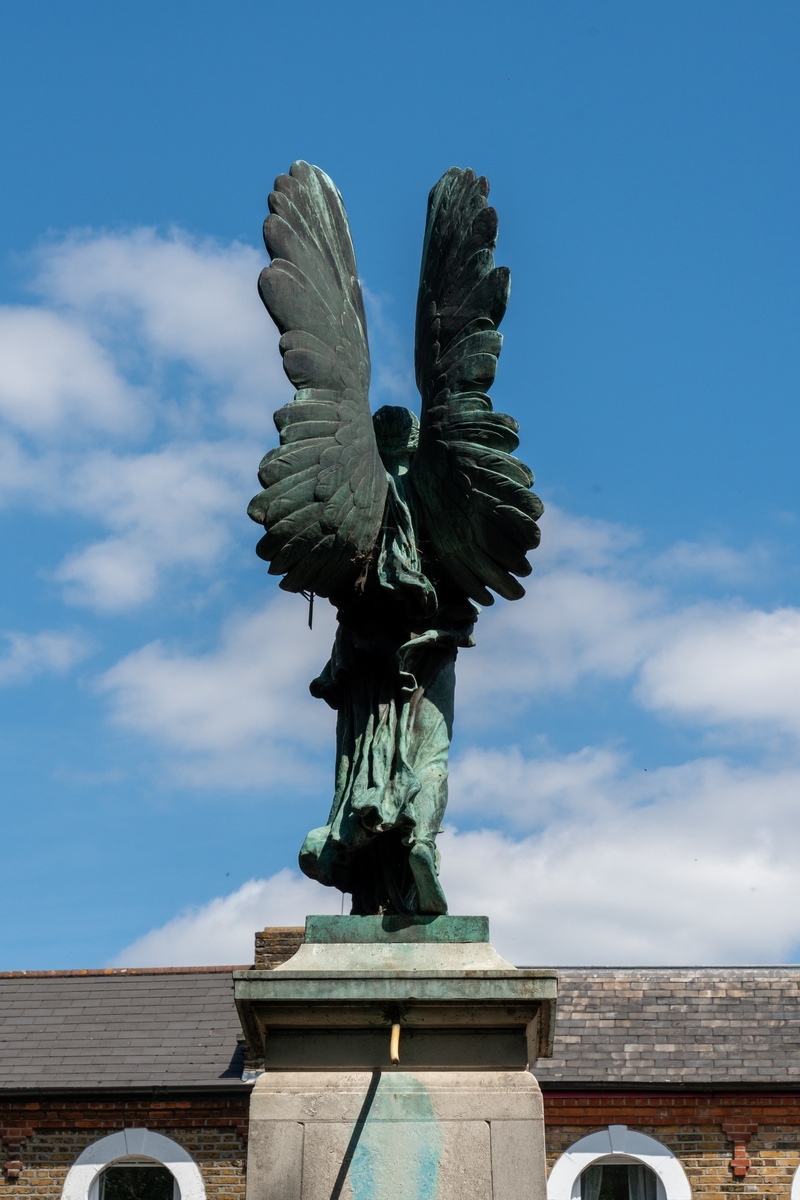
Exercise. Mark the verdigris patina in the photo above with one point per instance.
(404, 524)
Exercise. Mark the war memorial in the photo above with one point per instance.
(391, 1053)
(396, 1041)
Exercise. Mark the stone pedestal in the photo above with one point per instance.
(458, 1117)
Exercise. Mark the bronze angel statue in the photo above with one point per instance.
(404, 524)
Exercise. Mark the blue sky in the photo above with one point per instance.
(626, 767)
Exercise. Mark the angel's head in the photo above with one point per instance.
(397, 435)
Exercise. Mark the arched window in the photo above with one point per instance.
(135, 1164)
(795, 1192)
(618, 1163)
(617, 1177)
(135, 1178)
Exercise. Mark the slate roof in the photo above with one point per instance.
(675, 1026)
(75, 1030)
(617, 1027)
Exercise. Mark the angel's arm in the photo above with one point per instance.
(479, 512)
(324, 485)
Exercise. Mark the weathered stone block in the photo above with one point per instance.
(396, 1135)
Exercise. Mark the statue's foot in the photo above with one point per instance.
(429, 890)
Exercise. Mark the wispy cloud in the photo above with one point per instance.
(135, 395)
(724, 666)
(222, 931)
(55, 375)
(712, 560)
(691, 864)
(240, 714)
(585, 856)
(168, 509)
(26, 655)
(687, 864)
(589, 616)
(158, 300)
(138, 395)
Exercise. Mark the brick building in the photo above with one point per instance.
(665, 1083)
(705, 1062)
(87, 1057)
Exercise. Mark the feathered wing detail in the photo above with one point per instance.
(479, 512)
(325, 484)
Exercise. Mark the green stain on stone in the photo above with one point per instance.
(397, 1157)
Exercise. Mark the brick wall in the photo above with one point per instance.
(52, 1132)
(275, 944)
(49, 1135)
(692, 1128)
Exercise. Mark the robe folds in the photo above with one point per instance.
(391, 680)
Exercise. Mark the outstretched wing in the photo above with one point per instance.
(479, 512)
(324, 485)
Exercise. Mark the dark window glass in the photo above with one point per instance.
(136, 1183)
(619, 1181)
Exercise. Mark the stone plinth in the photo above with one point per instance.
(458, 1115)
(399, 1135)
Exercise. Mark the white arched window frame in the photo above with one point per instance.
(619, 1145)
(795, 1192)
(133, 1144)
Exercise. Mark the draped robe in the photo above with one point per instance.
(391, 679)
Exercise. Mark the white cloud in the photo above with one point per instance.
(19, 472)
(721, 666)
(580, 857)
(169, 508)
(154, 361)
(53, 374)
(585, 543)
(572, 624)
(241, 714)
(710, 664)
(149, 355)
(710, 559)
(531, 792)
(29, 654)
(588, 616)
(190, 300)
(687, 864)
(222, 931)
(582, 616)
